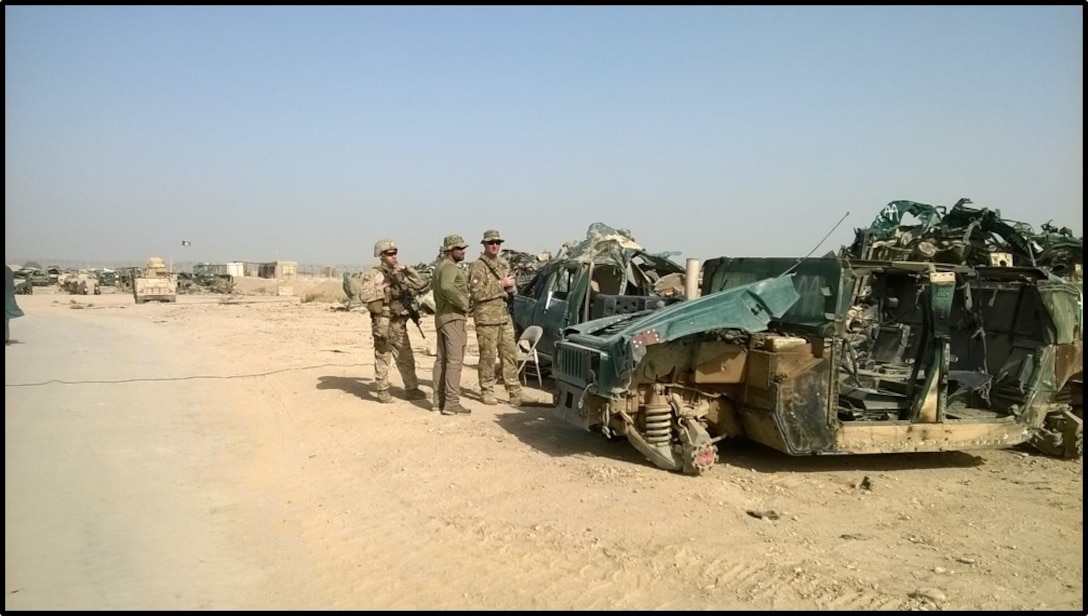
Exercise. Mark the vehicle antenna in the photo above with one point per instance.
(816, 247)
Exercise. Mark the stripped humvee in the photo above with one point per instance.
(936, 347)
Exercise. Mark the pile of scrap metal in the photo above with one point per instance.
(205, 283)
(80, 283)
(525, 265)
(607, 273)
(604, 244)
(967, 236)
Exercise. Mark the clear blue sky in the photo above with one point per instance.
(306, 134)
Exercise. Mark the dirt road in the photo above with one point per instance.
(208, 455)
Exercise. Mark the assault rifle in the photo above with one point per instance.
(408, 300)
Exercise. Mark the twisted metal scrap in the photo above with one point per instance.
(965, 235)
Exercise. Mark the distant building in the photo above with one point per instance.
(284, 270)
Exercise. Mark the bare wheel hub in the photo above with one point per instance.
(697, 450)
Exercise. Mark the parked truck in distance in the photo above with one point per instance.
(154, 283)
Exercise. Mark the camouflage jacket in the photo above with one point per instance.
(485, 287)
(380, 290)
(450, 288)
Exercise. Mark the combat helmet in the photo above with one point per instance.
(383, 245)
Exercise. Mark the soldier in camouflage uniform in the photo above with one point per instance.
(491, 283)
(380, 291)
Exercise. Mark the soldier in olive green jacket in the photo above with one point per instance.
(450, 286)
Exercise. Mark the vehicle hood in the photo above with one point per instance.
(750, 308)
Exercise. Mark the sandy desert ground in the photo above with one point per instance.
(284, 482)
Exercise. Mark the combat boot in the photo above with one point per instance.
(488, 398)
(515, 399)
(384, 397)
(456, 410)
(415, 394)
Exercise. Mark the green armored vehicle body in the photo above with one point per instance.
(838, 355)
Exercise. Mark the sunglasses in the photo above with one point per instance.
(493, 243)
(389, 253)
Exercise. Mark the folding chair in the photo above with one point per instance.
(528, 356)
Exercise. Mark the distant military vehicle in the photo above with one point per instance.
(37, 277)
(54, 272)
(106, 277)
(23, 286)
(843, 354)
(155, 283)
(80, 283)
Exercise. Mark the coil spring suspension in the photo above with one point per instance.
(658, 423)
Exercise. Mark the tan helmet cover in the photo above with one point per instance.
(383, 245)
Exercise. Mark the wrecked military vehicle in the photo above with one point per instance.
(106, 277)
(970, 236)
(80, 283)
(606, 274)
(883, 348)
(205, 279)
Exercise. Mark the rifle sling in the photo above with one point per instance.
(497, 277)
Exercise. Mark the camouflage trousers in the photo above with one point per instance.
(497, 342)
(396, 347)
